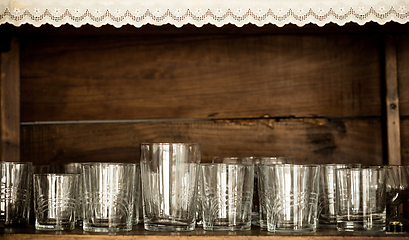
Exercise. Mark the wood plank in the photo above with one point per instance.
(392, 102)
(403, 73)
(315, 140)
(404, 125)
(10, 102)
(199, 77)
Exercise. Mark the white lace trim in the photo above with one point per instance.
(217, 12)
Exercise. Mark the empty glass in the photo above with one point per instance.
(72, 168)
(15, 193)
(327, 197)
(227, 193)
(108, 196)
(361, 199)
(259, 215)
(169, 174)
(55, 198)
(291, 197)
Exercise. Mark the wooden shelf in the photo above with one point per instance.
(139, 233)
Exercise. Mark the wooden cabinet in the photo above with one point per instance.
(321, 94)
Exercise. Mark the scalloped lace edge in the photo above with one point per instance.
(219, 18)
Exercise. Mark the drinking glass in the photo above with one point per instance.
(361, 199)
(55, 198)
(397, 189)
(259, 214)
(15, 193)
(108, 196)
(169, 174)
(327, 197)
(227, 193)
(72, 168)
(291, 197)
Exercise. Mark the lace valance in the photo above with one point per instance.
(200, 12)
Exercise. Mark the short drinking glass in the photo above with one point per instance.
(108, 196)
(55, 201)
(227, 194)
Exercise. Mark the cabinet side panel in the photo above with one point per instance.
(10, 101)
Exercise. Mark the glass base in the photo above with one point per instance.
(158, 227)
(350, 226)
(107, 228)
(227, 228)
(292, 230)
(54, 227)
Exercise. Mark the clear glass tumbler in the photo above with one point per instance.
(108, 196)
(361, 199)
(327, 198)
(15, 193)
(259, 214)
(291, 199)
(72, 168)
(169, 174)
(227, 194)
(245, 160)
(55, 198)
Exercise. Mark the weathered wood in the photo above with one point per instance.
(199, 77)
(10, 102)
(308, 140)
(403, 73)
(392, 102)
(404, 125)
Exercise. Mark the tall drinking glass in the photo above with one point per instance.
(108, 196)
(169, 174)
(15, 193)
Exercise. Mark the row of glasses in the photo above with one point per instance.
(363, 193)
(288, 194)
(104, 202)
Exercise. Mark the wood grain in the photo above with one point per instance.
(403, 72)
(315, 140)
(404, 125)
(10, 102)
(199, 77)
(392, 102)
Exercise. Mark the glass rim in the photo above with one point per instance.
(17, 163)
(169, 143)
(107, 164)
(227, 164)
(279, 156)
(57, 174)
(291, 165)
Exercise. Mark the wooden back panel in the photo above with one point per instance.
(317, 96)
